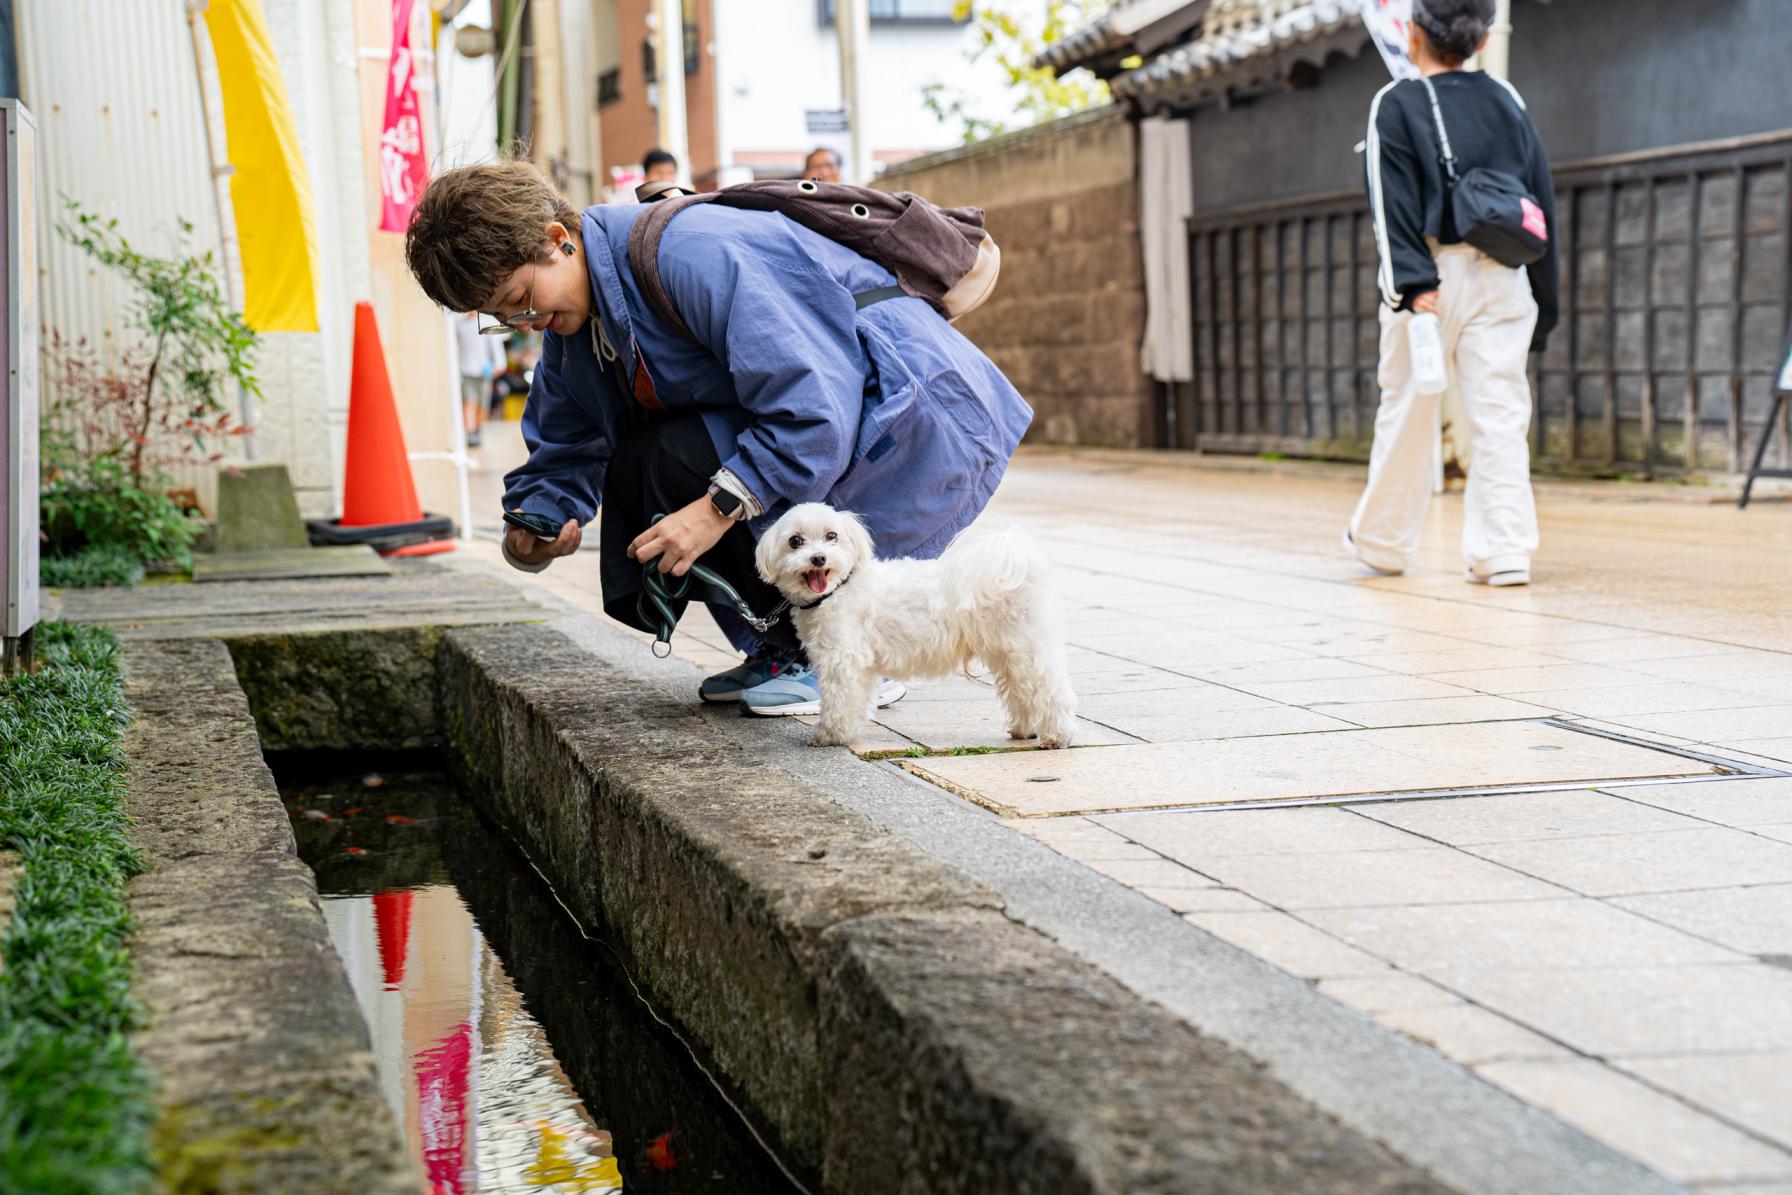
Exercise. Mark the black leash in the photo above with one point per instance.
(659, 590)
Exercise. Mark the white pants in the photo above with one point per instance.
(1488, 315)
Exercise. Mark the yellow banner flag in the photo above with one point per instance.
(276, 225)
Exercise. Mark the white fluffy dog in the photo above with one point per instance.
(861, 618)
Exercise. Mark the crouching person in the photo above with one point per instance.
(807, 376)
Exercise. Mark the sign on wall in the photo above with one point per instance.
(1389, 23)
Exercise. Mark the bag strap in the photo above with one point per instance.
(644, 255)
(1443, 134)
(644, 259)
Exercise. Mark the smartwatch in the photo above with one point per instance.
(727, 504)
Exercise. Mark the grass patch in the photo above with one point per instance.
(75, 1106)
(90, 568)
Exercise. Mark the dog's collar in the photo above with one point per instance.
(824, 597)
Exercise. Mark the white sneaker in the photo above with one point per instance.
(1504, 579)
(1350, 549)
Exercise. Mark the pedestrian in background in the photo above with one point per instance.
(482, 359)
(1425, 136)
(659, 166)
(822, 165)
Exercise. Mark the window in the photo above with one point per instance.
(609, 87)
(901, 12)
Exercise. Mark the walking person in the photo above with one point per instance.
(482, 359)
(807, 375)
(1438, 148)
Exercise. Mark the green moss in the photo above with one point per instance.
(75, 1103)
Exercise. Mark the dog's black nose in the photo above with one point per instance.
(819, 561)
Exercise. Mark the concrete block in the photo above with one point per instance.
(257, 511)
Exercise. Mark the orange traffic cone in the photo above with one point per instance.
(392, 925)
(379, 499)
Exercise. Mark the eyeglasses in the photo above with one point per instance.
(518, 321)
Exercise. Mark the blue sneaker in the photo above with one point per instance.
(796, 690)
(748, 674)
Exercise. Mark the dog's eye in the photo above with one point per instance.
(796, 541)
(832, 537)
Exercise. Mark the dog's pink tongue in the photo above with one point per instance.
(818, 581)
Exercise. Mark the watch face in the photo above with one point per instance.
(725, 502)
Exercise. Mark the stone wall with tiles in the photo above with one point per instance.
(1066, 317)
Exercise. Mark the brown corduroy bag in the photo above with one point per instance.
(942, 255)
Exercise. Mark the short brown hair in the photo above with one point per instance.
(477, 225)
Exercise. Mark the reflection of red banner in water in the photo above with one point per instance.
(392, 921)
(442, 1081)
(402, 170)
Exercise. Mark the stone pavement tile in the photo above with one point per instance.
(1755, 919)
(1782, 1187)
(1546, 635)
(1777, 749)
(1245, 651)
(1191, 701)
(1092, 851)
(1221, 771)
(1727, 668)
(1529, 935)
(1752, 802)
(1289, 943)
(1393, 992)
(1519, 817)
(1467, 657)
(1723, 725)
(1435, 711)
(1469, 1035)
(1642, 647)
(1135, 633)
(1065, 832)
(1536, 677)
(1622, 701)
(1193, 837)
(1360, 640)
(1656, 1129)
(1771, 690)
(952, 688)
(1753, 1090)
(873, 739)
(944, 725)
(1305, 668)
(1155, 872)
(1354, 690)
(1130, 678)
(1203, 900)
(1659, 861)
(1351, 879)
(1223, 724)
(1612, 1011)
(1777, 833)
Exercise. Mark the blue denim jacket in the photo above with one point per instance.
(885, 411)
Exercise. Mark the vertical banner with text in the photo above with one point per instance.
(402, 170)
(1388, 22)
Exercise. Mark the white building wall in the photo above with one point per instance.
(774, 59)
(121, 129)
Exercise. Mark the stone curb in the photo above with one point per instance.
(265, 1074)
(874, 1006)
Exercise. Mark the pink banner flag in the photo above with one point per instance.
(402, 171)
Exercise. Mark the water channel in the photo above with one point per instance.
(513, 1051)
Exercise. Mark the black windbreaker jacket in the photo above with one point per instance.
(1407, 185)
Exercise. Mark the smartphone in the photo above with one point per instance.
(538, 525)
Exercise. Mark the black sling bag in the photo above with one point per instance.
(1493, 210)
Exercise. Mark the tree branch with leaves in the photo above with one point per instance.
(1008, 42)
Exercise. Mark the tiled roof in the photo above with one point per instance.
(1243, 42)
(1110, 37)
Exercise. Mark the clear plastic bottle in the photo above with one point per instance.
(1425, 341)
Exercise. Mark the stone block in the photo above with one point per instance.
(257, 511)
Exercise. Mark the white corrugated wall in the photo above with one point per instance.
(113, 87)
